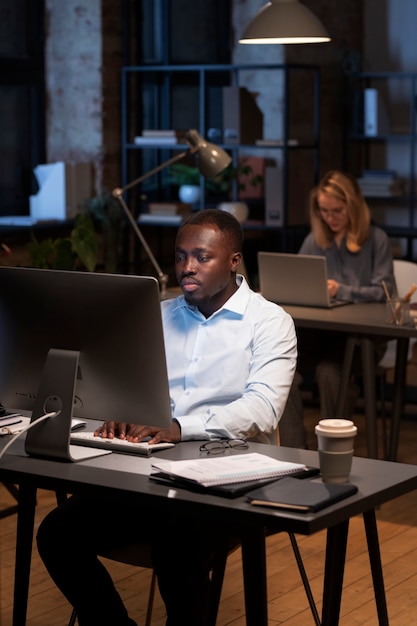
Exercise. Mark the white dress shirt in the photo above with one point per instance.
(229, 375)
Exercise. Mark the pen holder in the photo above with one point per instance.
(397, 312)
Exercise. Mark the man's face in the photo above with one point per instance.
(205, 266)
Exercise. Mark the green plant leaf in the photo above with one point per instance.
(84, 243)
(181, 174)
(63, 257)
(41, 253)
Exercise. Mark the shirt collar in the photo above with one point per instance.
(237, 303)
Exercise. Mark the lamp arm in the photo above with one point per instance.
(178, 157)
(118, 194)
(139, 233)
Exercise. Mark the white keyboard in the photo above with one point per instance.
(86, 438)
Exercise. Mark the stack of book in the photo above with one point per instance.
(156, 136)
(381, 183)
(275, 142)
(165, 212)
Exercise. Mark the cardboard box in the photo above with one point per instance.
(242, 118)
(63, 190)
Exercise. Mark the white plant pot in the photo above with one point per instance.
(190, 194)
(239, 210)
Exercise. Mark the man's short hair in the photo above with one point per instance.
(224, 221)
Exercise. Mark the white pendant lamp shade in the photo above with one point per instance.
(285, 21)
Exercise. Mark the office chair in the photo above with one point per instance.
(405, 274)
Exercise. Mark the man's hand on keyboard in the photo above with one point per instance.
(136, 433)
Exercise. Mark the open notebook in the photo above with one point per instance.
(298, 279)
(228, 475)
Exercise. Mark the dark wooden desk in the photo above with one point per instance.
(126, 477)
(362, 323)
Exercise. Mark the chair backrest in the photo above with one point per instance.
(405, 274)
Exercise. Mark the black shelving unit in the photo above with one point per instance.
(150, 99)
(369, 152)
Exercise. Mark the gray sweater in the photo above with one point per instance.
(359, 275)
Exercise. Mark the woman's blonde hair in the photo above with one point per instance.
(344, 188)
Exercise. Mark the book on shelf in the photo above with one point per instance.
(168, 208)
(379, 175)
(157, 136)
(299, 495)
(163, 220)
(227, 469)
(153, 141)
(381, 183)
(276, 142)
(382, 187)
(160, 132)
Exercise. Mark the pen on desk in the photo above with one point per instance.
(395, 308)
(384, 285)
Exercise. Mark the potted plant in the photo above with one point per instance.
(222, 185)
(108, 216)
(188, 180)
(231, 181)
(78, 251)
(96, 235)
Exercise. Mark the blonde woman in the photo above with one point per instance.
(358, 253)
(359, 258)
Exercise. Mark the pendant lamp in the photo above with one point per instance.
(285, 22)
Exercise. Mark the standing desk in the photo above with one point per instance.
(362, 323)
(125, 478)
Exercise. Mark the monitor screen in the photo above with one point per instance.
(91, 340)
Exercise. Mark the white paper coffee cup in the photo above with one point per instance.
(335, 438)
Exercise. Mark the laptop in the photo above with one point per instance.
(298, 279)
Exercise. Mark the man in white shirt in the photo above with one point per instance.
(231, 358)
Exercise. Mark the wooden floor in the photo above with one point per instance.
(288, 606)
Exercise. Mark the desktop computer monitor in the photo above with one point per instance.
(88, 345)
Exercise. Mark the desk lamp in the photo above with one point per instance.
(210, 160)
(285, 21)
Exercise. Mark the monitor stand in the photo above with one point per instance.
(50, 439)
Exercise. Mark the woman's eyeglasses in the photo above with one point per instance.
(326, 213)
(217, 447)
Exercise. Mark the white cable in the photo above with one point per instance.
(26, 428)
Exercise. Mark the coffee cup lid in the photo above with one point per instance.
(336, 427)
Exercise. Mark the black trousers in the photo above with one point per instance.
(72, 536)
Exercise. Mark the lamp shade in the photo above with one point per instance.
(209, 158)
(285, 21)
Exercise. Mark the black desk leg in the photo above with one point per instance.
(368, 375)
(398, 400)
(341, 407)
(24, 538)
(334, 571)
(376, 566)
(254, 576)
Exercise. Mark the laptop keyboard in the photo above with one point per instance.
(86, 438)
